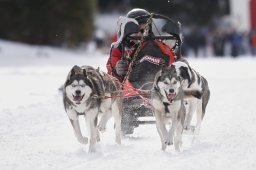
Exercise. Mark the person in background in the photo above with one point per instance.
(253, 43)
(236, 43)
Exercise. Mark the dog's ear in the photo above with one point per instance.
(73, 71)
(173, 69)
(164, 69)
(98, 69)
(84, 73)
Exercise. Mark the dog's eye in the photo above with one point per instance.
(73, 85)
(82, 85)
(174, 82)
(165, 82)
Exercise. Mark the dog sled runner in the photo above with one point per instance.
(147, 60)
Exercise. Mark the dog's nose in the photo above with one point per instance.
(78, 92)
(171, 91)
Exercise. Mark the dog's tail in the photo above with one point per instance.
(192, 93)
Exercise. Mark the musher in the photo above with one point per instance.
(118, 66)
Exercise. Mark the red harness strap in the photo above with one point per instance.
(130, 91)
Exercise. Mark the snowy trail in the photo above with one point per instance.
(35, 132)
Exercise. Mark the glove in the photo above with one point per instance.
(122, 67)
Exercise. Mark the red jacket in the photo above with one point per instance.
(253, 40)
(116, 55)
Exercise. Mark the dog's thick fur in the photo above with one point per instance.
(192, 81)
(83, 94)
(168, 105)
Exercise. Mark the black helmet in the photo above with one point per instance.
(136, 12)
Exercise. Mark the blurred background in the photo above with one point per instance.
(209, 27)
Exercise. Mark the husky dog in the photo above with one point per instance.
(168, 105)
(193, 81)
(84, 94)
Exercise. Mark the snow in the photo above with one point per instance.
(35, 132)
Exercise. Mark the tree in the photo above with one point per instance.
(49, 22)
(191, 12)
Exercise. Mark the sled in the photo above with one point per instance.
(137, 85)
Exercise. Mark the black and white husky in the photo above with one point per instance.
(193, 81)
(83, 94)
(169, 109)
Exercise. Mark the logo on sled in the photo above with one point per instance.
(151, 59)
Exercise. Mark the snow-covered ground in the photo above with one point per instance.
(35, 132)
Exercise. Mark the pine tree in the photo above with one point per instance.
(49, 22)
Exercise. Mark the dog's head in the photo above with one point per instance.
(78, 87)
(167, 82)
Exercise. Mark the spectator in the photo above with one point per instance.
(218, 44)
(236, 41)
(253, 43)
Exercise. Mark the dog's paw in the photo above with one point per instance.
(101, 127)
(168, 141)
(92, 149)
(187, 127)
(83, 140)
(177, 146)
(118, 139)
(164, 147)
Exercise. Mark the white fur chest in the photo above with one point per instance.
(74, 111)
(81, 108)
(158, 104)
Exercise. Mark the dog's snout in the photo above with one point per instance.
(78, 92)
(171, 91)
